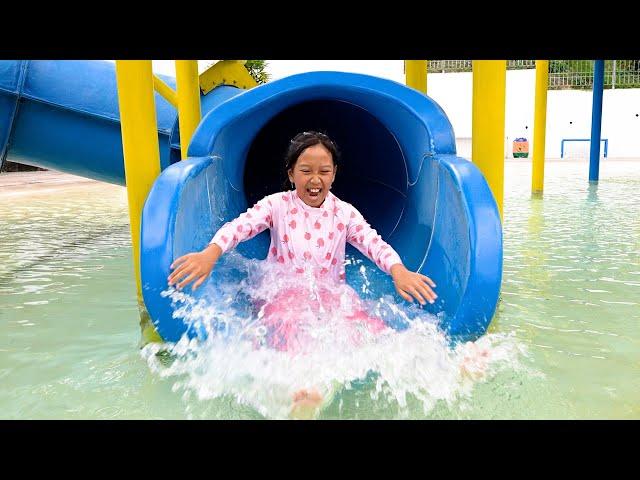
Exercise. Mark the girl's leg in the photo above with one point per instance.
(306, 404)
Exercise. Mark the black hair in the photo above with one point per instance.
(304, 140)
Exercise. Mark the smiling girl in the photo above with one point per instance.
(310, 228)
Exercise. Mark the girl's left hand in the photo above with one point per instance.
(412, 285)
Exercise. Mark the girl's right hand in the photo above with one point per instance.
(194, 266)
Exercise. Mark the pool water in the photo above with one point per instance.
(564, 343)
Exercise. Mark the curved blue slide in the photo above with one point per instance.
(399, 168)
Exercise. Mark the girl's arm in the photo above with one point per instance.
(197, 266)
(366, 239)
(252, 222)
(408, 284)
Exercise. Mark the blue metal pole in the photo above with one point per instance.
(596, 120)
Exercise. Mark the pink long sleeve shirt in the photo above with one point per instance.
(307, 237)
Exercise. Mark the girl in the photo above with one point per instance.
(309, 230)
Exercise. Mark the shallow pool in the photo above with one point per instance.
(570, 305)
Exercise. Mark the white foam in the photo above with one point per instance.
(419, 361)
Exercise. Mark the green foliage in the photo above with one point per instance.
(257, 69)
(558, 66)
(578, 74)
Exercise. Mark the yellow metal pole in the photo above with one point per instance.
(166, 91)
(487, 141)
(141, 154)
(188, 87)
(416, 74)
(540, 126)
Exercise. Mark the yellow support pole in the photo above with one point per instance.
(188, 86)
(539, 126)
(488, 113)
(416, 74)
(141, 155)
(166, 91)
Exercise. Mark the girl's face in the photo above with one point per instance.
(313, 174)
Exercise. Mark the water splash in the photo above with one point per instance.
(333, 343)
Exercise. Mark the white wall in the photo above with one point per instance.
(568, 114)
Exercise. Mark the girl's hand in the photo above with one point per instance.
(412, 285)
(194, 266)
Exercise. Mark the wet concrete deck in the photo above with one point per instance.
(25, 183)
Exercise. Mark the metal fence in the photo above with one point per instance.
(446, 66)
(563, 74)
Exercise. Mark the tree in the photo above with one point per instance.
(257, 70)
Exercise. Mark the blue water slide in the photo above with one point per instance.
(399, 168)
(64, 115)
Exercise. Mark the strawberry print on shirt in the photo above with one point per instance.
(304, 236)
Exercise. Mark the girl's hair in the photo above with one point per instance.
(304, 140)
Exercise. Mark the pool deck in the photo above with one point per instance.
(16, 184)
